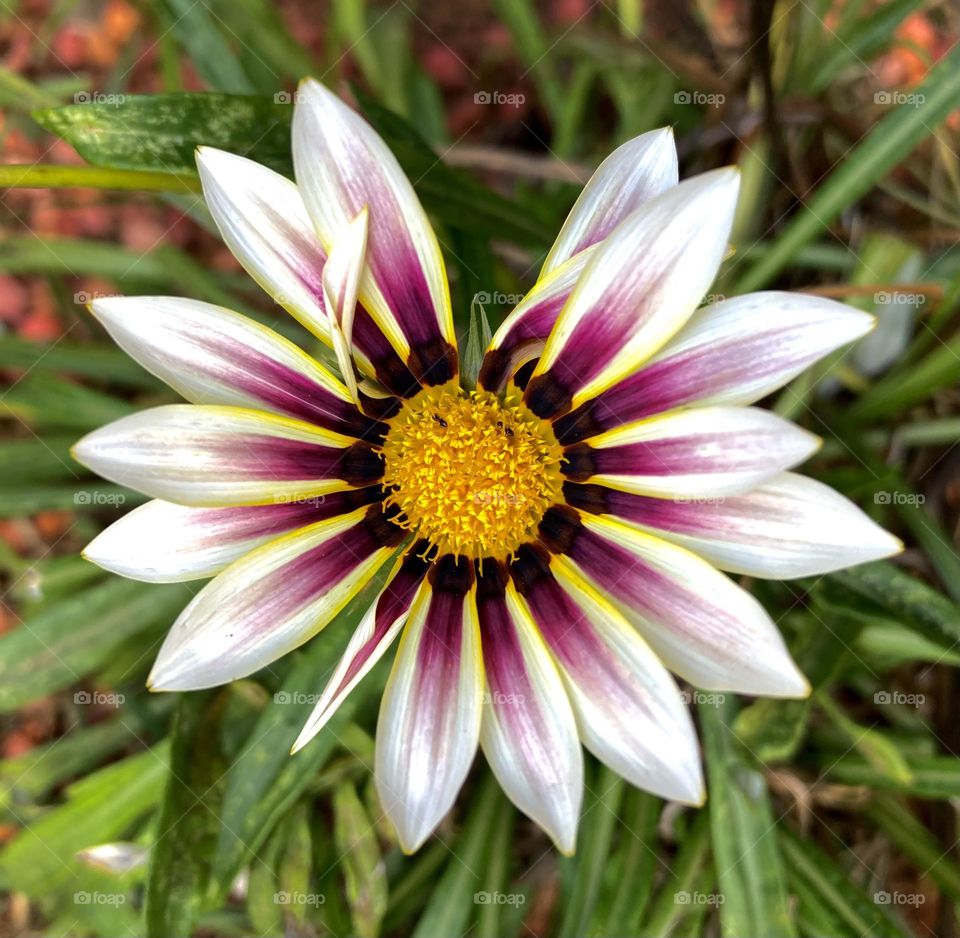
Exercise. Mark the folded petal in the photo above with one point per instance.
(641, 285)
(702, 453)
(629, 710)
(161, 542)
(272, 600)
(211, 457)
(790, 526)
(342, 165)
(528, 733)
(523, 333)
(733, 352)
(630, 176)
(373, 636)
(264, 222)
(702, 625)
(429, 724)
(211, 355)
(341, 280)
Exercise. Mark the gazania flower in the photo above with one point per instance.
(551, 536)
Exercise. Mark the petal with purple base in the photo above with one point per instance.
(161, 542)
(429, 725)
(272, 601)
(630, 176)
(212, 457)
(211, 355)
(528, 733)
(733, 352)
(375, 634)
(628, 708)
(702, 625)
(641, 285)
(790, 526)
(342, 165)
(702, 453)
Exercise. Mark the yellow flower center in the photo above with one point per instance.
(470, 473)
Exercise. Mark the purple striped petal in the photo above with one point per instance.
(702, 453)
(734, 352)
(628, 708)
(225, 456)
(528, 733)
(703, 626)
(640, 286)
(429, 724)
(375, 634)
(791, 526)
(273, 600)
(211, 355)
(342, 165)
(161, 542)
(630, 176)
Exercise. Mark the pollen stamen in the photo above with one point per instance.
(469, 472)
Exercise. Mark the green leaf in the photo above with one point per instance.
(86, 361)
(869, 161)
(745, 851)
(596, 831)
(40, 176)
(70, 639)
(363, 869)
(37, 460)
(83, 495)
(832, 889)
(455, 895)
(188, 823)
(46, 401)
(160, 132)
(931, 776)
(99, 808)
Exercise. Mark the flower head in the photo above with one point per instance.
(551, 537)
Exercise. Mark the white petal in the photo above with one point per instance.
(528, 733)
(264, 222)
(702, 625)
(630, 176)
(629, 711)
(371, 640)
(640, 286)
(211, 457)
(269, 602)
(161, 542)
(702, 453)
(790, 526)
(429, 724)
